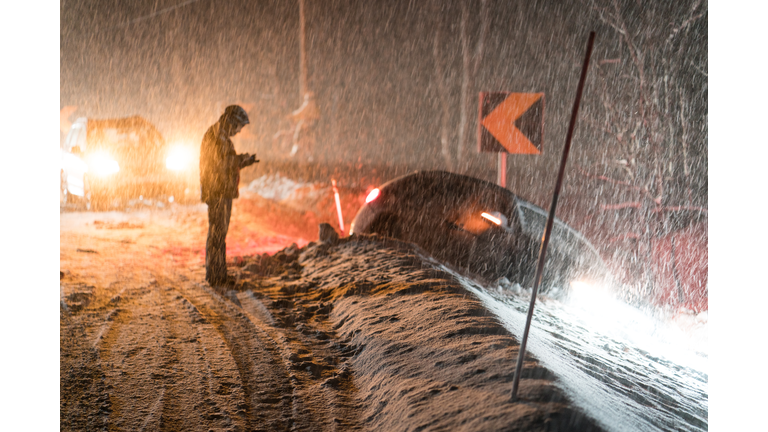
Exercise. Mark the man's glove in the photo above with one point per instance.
(248, 161)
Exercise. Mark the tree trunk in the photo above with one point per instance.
(470, 65)
(465, 60)
(442, 90)
(302, 55)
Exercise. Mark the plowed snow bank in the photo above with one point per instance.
(426, 354)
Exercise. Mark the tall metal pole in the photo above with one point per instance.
(302, 55)
(551, 217)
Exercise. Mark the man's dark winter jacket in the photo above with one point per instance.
(219, 166)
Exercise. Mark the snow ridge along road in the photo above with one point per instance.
(425, 355)
(360, 334)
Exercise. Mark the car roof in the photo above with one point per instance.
(442, 177)
(135, 124)
(532, 218)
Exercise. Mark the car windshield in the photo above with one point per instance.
(121, 140)
(134, 142)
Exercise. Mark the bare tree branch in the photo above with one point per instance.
(662, 209)
(633, 204)
(647, 110)
(643, 190)
(625, 236)
(679, 208)
(464, 80)
(700, 70)
(470, 66)
(687, 22)
(481, 38)
(610, 180)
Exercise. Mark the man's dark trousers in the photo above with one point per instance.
(219, 212)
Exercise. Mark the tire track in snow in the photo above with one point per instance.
(84, 403)
(144, 358)
(263, 379)
(128, 346)
(154, 375)
(153, 418)
(309, 349)
(207, 365)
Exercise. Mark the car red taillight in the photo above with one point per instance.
(372, 195)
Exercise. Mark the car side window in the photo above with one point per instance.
(81, 139)
(71, 140)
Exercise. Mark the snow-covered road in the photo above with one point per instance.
(323, 345)
(362, 335)
(146, 346)
(629, 369)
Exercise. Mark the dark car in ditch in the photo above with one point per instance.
(478, 227)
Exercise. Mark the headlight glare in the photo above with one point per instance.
(178, 159)
(103, 165)
(74, 164)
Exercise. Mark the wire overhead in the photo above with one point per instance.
(160, 12)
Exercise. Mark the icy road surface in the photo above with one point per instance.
(624, 368)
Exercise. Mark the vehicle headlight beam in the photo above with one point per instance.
(179, 159)
(491, 218)
(103, 165)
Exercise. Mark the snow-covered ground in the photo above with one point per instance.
(629, 369)
(298, 195)
(359, 334)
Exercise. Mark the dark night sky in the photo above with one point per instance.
(374, 57)
(371, 65)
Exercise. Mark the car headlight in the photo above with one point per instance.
(74, 164)
(103, 165)
(179, 158)
(492, 218)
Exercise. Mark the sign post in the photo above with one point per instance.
(510, 123)
(551, 217)
(502, 170)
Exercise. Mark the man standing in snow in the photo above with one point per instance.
(220, 169)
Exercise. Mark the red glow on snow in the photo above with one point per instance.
(372, 196)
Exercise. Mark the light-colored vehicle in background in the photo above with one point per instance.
(112, 162)
(73, 169)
